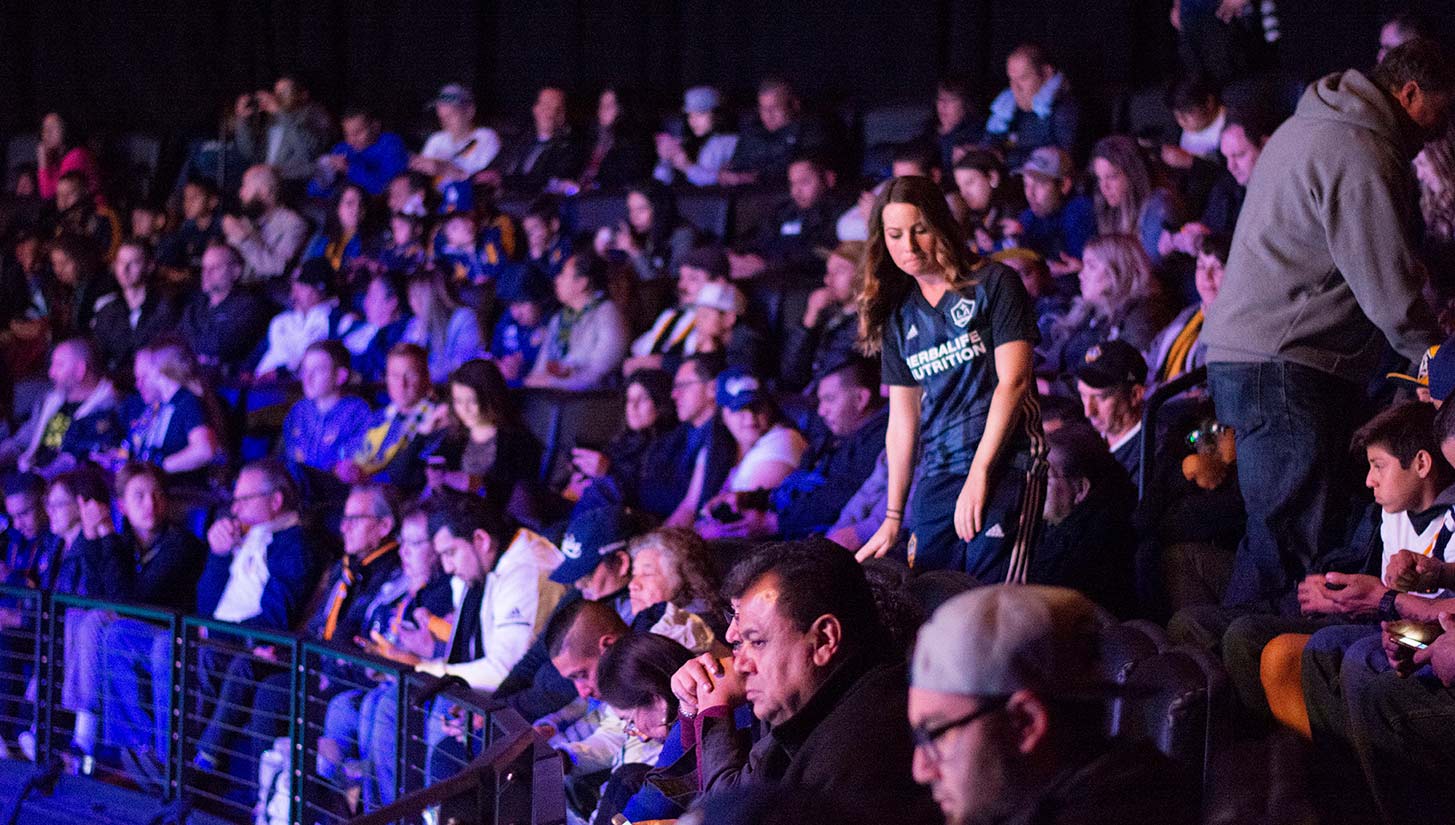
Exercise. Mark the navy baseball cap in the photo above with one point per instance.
(1110, 364)
(591, 537)
(737, 389)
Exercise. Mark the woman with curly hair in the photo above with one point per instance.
(956, 334)
(673, 571)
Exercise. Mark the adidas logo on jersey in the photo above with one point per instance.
(995, 532)
(912, 334)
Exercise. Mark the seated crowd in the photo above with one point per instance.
(882, 474)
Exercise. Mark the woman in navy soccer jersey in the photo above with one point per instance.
(955, 333)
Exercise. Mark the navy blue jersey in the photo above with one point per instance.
(949, 350)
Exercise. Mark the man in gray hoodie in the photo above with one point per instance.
(1322, 273)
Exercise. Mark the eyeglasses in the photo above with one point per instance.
(928, 737)
(632, 729)
(350, 519)
(251, 496)
(682, 385)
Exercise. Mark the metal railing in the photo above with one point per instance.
(213, 702)
(484, 765)
(22, 659)
(101, 656)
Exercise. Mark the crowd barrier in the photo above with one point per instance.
(251, 726)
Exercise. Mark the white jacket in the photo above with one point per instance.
(519, 598)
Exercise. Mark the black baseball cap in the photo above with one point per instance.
(1110, 364)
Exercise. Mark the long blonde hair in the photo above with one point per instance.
(881, 285)
(1131, 281)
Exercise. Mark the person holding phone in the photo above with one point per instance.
(955, 333)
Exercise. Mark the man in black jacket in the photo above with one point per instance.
(225, 325)
(1088, 540)
(549, 152)
(811, 661)
(143, 311)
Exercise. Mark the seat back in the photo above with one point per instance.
(561, 420)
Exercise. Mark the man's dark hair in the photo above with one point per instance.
(858, 371)
(815, 578)
(777, 84)
(141, 245)
(358, 111)
(25, 484)
(1035, 53)
(1411, 24)
(958, 86)
(1403, 430)
(1217, 244)
(1421, 61)
(463, 514)
(85, 351)
(983, 161)
(278, 479)
(564, 620)
(334, 349)
(706, 365)
(1080, 452)
(1059, 408)
(89, 483)
(1190, 93)
(206, 184)
(918, 152)
(1257, 122)
(818, 160)
(232, 252)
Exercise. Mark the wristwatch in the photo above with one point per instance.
(1387, 610)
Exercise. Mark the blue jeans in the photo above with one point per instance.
(1400, 729)
(1293, 424)
(378, 741)
(135, 683)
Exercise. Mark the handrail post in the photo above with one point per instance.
(297, 684)
(175, 698)
(183, 648)
(46, 645)
(401, 734)
(1150, 412)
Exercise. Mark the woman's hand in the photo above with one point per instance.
(436, 419)
(879, 543)
(95, 518)
(970, 506)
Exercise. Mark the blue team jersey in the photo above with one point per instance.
(949, 351)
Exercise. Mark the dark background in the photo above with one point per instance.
(167, 66)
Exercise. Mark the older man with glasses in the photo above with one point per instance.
(1008, 710)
